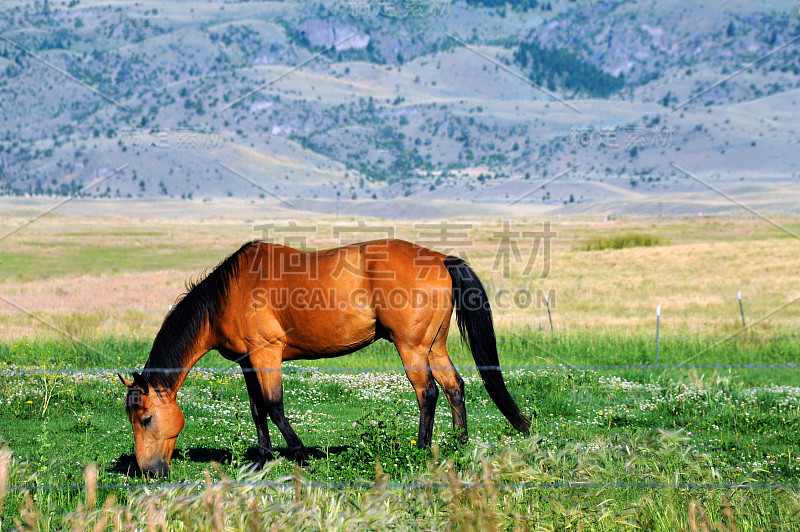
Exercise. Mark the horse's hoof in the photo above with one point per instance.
(261, 461)
(300, 456)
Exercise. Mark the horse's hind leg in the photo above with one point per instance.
(415, 361)
(451, 382)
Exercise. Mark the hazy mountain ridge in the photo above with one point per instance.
(648, 44)
(400, 109)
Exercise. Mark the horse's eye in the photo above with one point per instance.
(146, 421)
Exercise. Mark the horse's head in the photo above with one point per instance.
(157, 420)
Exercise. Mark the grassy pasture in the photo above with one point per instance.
(109, 283)
(738, 426)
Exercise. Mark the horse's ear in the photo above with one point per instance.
(125, 381)
(139, 381)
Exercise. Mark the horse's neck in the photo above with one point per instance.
(193, 356)
(200, 346)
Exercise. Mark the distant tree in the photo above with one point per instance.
(773, 39)
(553, 67)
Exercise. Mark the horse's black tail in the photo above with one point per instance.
(474, 318)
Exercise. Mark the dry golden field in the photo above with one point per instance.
(106, 275)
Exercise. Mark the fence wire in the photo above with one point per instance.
(543, 339)
(496, 316)
(294, 484)
(377, 369)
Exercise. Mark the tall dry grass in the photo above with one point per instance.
(491, 492)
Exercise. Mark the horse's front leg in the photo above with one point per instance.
(268, 370)
(259, 411)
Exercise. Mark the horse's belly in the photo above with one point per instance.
(329, 334)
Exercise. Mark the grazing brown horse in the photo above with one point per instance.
(268, 303)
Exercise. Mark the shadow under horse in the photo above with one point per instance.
(126, 463)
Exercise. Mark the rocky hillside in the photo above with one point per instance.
(404, 108)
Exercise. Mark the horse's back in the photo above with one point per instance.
(375, 260)
(335, 301)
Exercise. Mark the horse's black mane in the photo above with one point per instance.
(202, 302)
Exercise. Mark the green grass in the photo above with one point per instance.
(76, 259)
(743, 423)
(631, 240)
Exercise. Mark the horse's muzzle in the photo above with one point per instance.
(158, 469)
